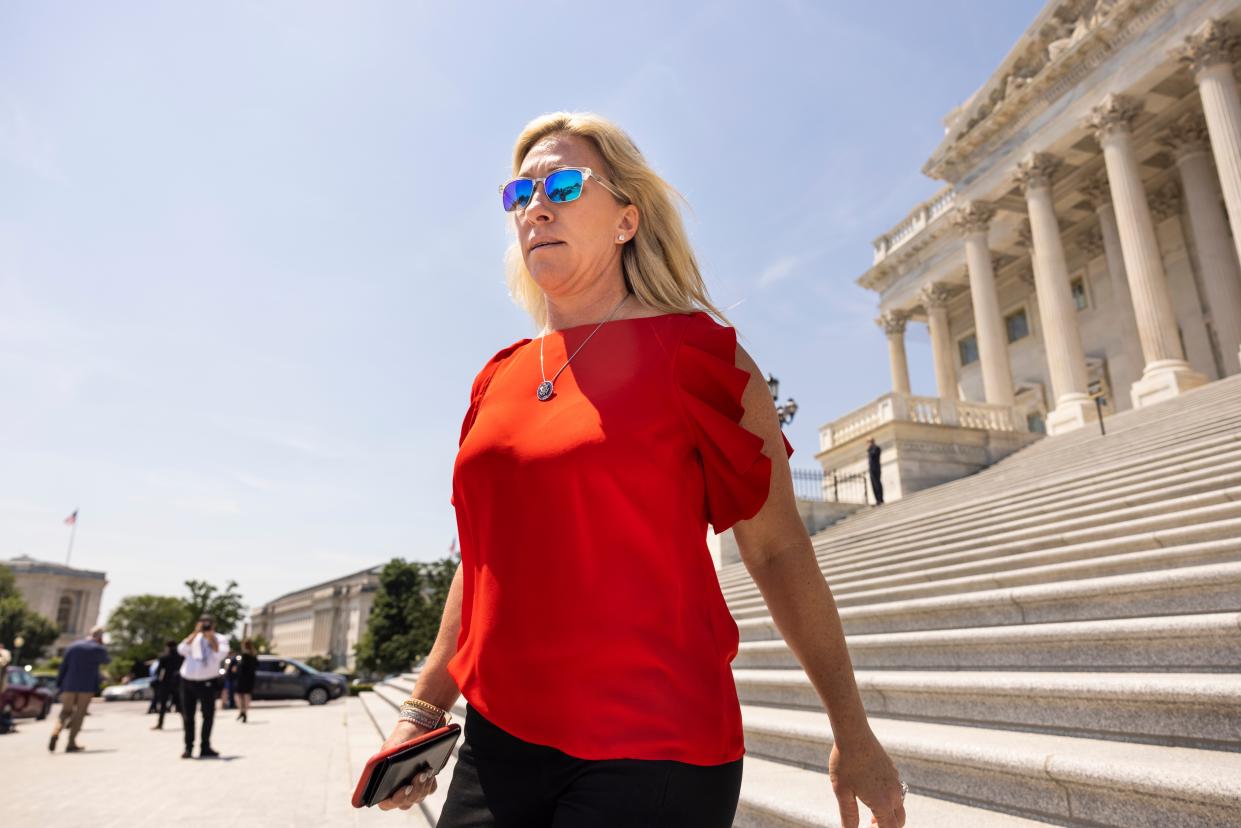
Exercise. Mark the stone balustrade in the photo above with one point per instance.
(911, 408)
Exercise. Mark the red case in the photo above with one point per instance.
(389, 769)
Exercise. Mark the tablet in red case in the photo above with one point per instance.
(398, 765)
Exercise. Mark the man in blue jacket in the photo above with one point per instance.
(79, 682)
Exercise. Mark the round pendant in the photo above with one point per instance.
(545, 390)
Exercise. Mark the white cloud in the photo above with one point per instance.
(779, 270)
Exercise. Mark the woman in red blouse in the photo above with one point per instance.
(585, 625)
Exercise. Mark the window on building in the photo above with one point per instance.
(1078, 286)
(1035, 423)
(1017, 325)
(968, 348)
(64, 613)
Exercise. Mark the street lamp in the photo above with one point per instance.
(18, 641)
(784, 412)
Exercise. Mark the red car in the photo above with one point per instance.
(23, 697)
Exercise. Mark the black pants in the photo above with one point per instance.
(501, 781)
(876, 485)
(166, 695)
(198, 693)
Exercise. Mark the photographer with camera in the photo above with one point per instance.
(203, 650)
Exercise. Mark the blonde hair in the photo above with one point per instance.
(658, 264)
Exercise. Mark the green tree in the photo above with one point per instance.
(261, 645)
(226, 607)
(141, 624)
(16, 618)
(405, 617)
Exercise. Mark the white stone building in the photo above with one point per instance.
(1085, 244)
(326, 619)
(66, 596)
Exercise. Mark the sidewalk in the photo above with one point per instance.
(291, 764)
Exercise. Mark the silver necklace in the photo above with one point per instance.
(544, 391)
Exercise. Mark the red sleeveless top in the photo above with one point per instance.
(592, 619)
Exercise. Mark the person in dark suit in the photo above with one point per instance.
(79, 682)
(246, 664)
(872, 458)
(168, 674)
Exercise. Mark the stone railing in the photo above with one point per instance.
(914, 223)
(910, 408)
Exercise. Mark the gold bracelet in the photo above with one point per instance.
(423, 705)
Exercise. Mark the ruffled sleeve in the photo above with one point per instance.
(710, 387)
(479, 388)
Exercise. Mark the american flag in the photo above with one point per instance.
(72, 519)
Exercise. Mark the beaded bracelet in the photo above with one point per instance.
(412, 702)
(421, 717)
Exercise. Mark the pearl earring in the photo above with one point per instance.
(620, 238)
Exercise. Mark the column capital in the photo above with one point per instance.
(972, 217)
(893, 322)
(1036, 170)
(1097, 190)
(1188, 136)
(1166, 201)
(934, 296)
(1212, 43)
(1090, 241)
(1115, 114)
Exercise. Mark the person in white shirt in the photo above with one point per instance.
(203, 650)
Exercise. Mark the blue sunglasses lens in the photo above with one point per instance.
(563, 185)
(517, 193)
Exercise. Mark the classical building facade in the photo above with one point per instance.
(326, 619)
(1083, 255)
(68, 597)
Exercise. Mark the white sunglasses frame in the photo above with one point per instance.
(586, 172)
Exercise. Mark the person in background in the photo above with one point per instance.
(203, 650)
(246, 664)
(78, 680)
(872, 459)
(6, 718)
(230, 679)
(153, 674)
(167, 670)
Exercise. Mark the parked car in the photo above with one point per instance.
(47, 680)
(277, 677)
(24, 697)
(137, 690)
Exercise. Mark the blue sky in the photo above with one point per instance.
(250, 252)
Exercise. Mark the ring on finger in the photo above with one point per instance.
(904, 790)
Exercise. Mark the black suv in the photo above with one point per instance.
(277, 677)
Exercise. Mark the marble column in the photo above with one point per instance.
(1207, 53)
(1166, 373)
(972, 220)
(893, 324)
(1217, 257)
(1099, 193)
(1062, 341)
(935, 300)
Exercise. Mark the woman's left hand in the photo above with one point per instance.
(864, 771)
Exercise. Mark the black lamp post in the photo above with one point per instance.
(784, 412)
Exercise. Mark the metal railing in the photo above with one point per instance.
(808, 484)
(848, 488)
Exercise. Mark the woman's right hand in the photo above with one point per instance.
(407, 796)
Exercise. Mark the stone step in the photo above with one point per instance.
(776, 795)
(1179, 591)
(1167, 494)
(1207, 642)
(1060, 779)
(1198, 526)
(1171, 512)
(1181, 709)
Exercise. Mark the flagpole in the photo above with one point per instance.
(73, 531)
